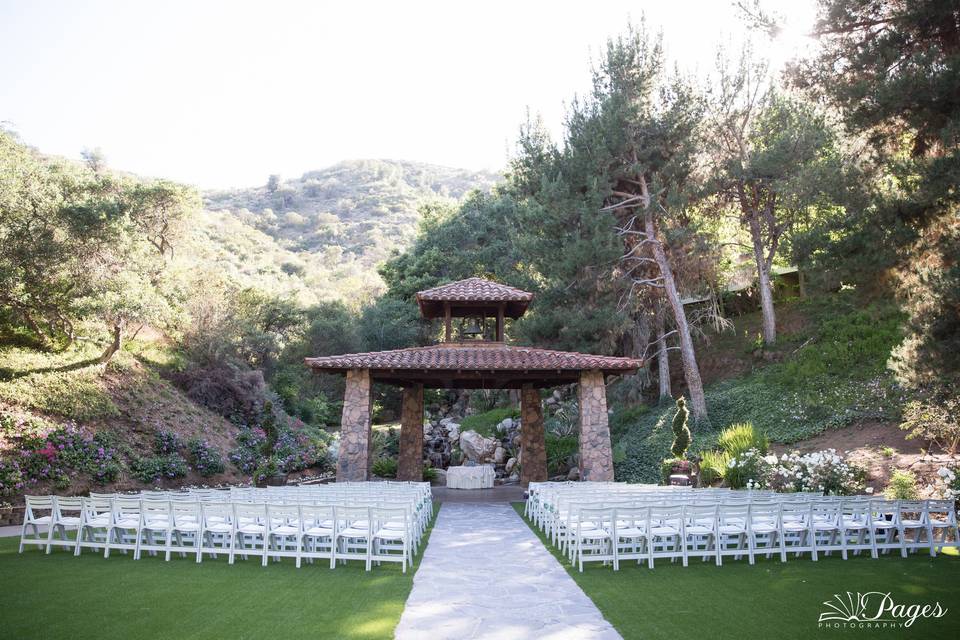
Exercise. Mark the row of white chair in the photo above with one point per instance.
(374, 533)
(613, 533)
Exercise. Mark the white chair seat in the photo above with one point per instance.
(187, 526)
(323, 532)
(631, 532)
(70, 521)
(731, 529)
(353, 532)
(251, 528)
(698, 530)
(912, 523)
(219, 527)
(854, 524)
(41, 520)
(390, 534)
(764, 527)
(664, 531)
(285, 530)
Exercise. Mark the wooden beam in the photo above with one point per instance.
(446, 322)
(500, 322)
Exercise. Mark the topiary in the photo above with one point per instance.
(681, 433)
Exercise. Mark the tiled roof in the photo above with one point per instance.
(488, 356)
(475, 290)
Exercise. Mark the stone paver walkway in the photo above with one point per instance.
(485, 575)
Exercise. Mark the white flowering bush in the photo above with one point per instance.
(750, 470)
(948, 484)
(824, 471)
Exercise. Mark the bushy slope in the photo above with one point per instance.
(831, 374)
(122, 406)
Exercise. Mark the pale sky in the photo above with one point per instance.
(224, 93)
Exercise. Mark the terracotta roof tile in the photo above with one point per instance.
(490, 356)
(475, 290)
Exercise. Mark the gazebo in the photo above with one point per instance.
(468, 361)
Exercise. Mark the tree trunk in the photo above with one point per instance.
(691, 371)
(763, 279)
(663, 358)
(114, 344)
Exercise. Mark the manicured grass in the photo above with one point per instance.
(767, 600)
(60, 596)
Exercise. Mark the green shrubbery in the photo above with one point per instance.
(486, 423)
(835, 375)
(385, 468)
(738, 438)
(713, 465)
(902, 486)
(561, 453)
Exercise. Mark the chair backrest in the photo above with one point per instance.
(215, 513)
(596, 515)
(945, 509)
(797, 510)
(384, 514)
(885, 510)
(155, 511)
(347, 516)
(66, 505)
(914, 510)
(34, 504)
(96, 508)
(284, 514)
(126, 507)
(668, 515)
(183, 513)
(701, 514)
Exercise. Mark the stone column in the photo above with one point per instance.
(533, 448)
(410, 466)
(596, 456)
(353, 463)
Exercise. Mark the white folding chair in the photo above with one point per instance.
(317, 523)
(915, 517)
(700, 531)
(629, 535)
(249, 530)
(38, 511)
(284, 534)
(184, 528)
(95, 519)
(665, 533)
(886, 528)
(943, 519)
(66, 517)
(764, 529)
(591, 541)
(392, 533)
(732, 537)
(352, 536)
(855, 527)
(216, 529)
(123, 532)
(797, 530)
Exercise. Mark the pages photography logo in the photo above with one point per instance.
(874, 610)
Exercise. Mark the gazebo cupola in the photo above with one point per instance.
(467, 360)
(474, 300)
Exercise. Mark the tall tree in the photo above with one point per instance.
(774, 159)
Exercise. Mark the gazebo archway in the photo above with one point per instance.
(474, 364)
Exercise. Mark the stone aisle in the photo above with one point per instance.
(485, 575)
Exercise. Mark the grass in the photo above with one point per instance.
(767, 600)
(60, 596)
(486, 423)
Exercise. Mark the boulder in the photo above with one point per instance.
(505, 425)
(511, 463)
(499, 455)
(453, 432)
(476, 448)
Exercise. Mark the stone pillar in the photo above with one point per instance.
(353, 463)
(596, 455)
(533, 447)
(410, 466)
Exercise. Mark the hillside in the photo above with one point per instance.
(322, 235)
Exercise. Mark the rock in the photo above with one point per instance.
(505, 425)
(557, 395)
(441, 478)
(453, 432)
(477, 448)
(511, 463)
(573, 474)
(446, 421)
(551, 400)
(514, 477)
(499, 455)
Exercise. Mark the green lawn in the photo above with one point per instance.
(767, 600)
(60, 596)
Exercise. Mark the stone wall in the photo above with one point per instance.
(596, 456)
(354, 461)
(410, 465)
(533, 448)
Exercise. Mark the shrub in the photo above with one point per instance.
(936, 422)
(11, 478)
(206, 460)
(247, 454)
(681, 433)
(902, 486)
(151, 469)
(429, 473)
(385, 468)
(166, 442)
(739, 438)
(824, 471)
(561, 453)
(269, 467)
(750, 470)
(622, 420)
(712, 466)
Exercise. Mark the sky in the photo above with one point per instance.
(224, 93)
